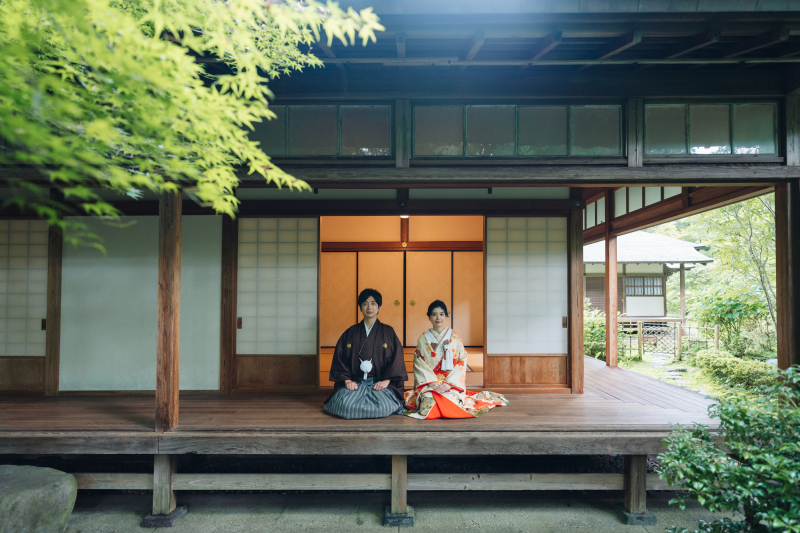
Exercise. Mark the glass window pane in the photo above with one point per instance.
(652, 195)
(313, 130)
(491, 130)
(665, 129)
(620, 207)
(754, 129)
(601, 210)
(591, 211)
(710, 129)
(366, 130)
(669, 192)
(634, 198)
(595, 130)
(272, 133)
(542, 130)
(438, 130)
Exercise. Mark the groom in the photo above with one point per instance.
(369, 340)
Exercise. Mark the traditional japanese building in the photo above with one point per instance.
(468, 155)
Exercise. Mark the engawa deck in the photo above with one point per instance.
(620, 412)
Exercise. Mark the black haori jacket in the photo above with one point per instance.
(386, 354)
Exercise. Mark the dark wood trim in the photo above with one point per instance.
(529, 161)
(230, 240)
(446, 246)
(575, 309)
(23, 374)
(404, 230)
(787, 259)
(169, 311)
(55, 247)
(712, 159)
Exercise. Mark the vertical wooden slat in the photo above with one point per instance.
(635, 131)
(230, 247)
(404, 230)
(787, 258)
(399, 484)
(683, 294)
(169, 310)
(163, 473)
(575, 296)
(402, 135)
(55, 248)
(635, 500)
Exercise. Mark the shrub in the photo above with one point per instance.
(596, 349)
(751, 467)
(733, 371)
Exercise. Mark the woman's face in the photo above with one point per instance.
(370, 308)
(437, 318)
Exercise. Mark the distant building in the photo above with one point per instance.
(644, 262)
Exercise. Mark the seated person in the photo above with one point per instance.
(367, 368)
(440, 375)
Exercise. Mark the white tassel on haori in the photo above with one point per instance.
(447, 362)
(365, 367)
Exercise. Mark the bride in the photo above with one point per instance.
(440, 374)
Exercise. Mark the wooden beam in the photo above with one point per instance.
(115, 481)
(701, 41)
(575, 291)
(402, 246)
(328, 52)
(612, 326)
(475, 46)
(620, 45)
(450, 61)
(163, 492)
(400, 42)
(399, 484)
(55, 247)
(169, 310)
(230, 239)
(545, 47)
(635, 498)
(787, 259)
(757, 43)
(282, 482)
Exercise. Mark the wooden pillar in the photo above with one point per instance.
(230, 259)
(635, 131)
(575, 318)
(683, 294)
(163, 473)
(52, 362)
(787, 256)
(399, 484)
(635, 500)
(169, 310)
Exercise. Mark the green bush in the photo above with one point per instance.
(596, 349)
(751, 465)
(733, 371)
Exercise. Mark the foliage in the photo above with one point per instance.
(114, 93)
(733, 371)
(732, 310)
(594, 333)
(752, 466)
(724, 525)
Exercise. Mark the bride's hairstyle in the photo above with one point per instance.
(438, 304)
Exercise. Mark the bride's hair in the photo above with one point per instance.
(438, 304)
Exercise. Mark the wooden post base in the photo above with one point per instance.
(398, 519)
(163, 493)
(635, 519)
(164, 520)
(635, 480)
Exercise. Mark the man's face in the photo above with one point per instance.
(370, 308)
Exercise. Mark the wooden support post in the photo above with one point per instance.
(634, 505)
(678, 341)
(635, 131)
(716, 336)
(55, 248)
(683, 294)
(575, 225)
(399, 484)
(230, 257)
(169, 310)
(612, 326)
(640, 338)
(787, 256)
(163, 472)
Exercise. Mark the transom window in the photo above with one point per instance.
(644, 286)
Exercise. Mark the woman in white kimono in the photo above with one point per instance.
(440, 375)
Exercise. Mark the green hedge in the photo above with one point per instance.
(596, 349)
(733, 371)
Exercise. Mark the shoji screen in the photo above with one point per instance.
(277, 303)
(527, 300)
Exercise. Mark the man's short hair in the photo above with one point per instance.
(366, 293)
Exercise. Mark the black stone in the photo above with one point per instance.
(635, 519)
(164, 520)
(402, 520)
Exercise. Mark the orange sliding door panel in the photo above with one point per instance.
(337, 292)
(468, 297)
(383, 271)
(428, 278)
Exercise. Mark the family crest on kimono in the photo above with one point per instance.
(440, 375)
(367, 368)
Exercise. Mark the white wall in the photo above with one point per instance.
(644, 306)
(644, 268)
(109, 307)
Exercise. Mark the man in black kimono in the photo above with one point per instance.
(373, 348)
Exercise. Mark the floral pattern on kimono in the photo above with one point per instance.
(457, 402)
